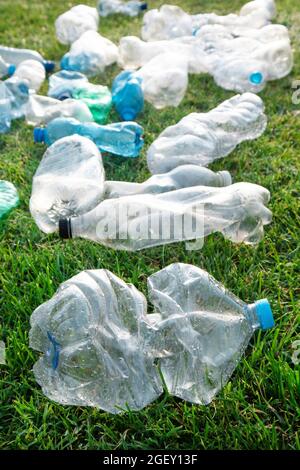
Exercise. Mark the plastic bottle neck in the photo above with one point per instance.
(260, 315)
(39, 135)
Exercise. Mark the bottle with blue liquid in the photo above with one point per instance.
(128, 96)
(15, 56)
(123, 138)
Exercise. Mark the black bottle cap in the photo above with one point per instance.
(65, 230)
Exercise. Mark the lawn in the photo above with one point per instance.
(260, 407)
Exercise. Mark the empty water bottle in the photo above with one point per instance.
(125, 7)
(73, 23)
(137, 222)
(168, 22)
(202, 330)
(122, 138)
(90, 54)
(98, 98)
(9, 198)
(93, 353)
(15, 56)
(128, 96)
(185, 176)
(43, 109)
(68, 182)
(32, 72)
(63, 83)
(5, 68)
(201, 138)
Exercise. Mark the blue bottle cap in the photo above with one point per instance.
(11, 69)
(264, 314)
(144, 6)
(38, 135)
(256, 78)
(49, 65)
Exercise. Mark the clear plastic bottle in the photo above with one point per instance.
(168, 22)
(14, 95)
(9, 198)
(128, 96)
(73, 23)
(43, 109)
(143, 221)
(185, 176)
(124, 7)
(15, 56)
(93, 352)
(90, 54)
(63, 83)
(98, 98)
(68, 182)
(201, 138)
(121, 138)
(202, 330)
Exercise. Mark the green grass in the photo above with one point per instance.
(260, 407)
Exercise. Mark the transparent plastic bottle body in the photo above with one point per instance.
(32, 72)
(15, 56)
(168, 22)
(43, 109)
(68, 182)
(185, 176)
(201, 138)
(98, 98)
(73, 23)
(9, 198)
(164, 80)
(202, 330)
(63, 83)
(93, 350)
(128, 96)
(14, 95)
(124, 138)
(137, 222)
(90, 54)
(124, 7)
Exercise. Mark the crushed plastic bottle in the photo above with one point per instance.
(121, 138)
(90, 54)
(128, 96)
(14, 95)
(168, 22)
(137, 222)
(9, 198)
(100, 348)
(73, 23)
(98, 98)
(15, 56)
(93, 353)
(202, 330)
(5, 68)
(68, 182)
(185, 176)
(31, 72)
(201, 138)
(124, 7)
(43, 109)
(63, 83)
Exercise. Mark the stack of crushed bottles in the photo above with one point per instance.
(99, 346)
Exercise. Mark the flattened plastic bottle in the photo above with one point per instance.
(124, 7)
(143, 221)
(9, 198)
(90, 54)
(68, 182)
(15, 56)
(73, 23)
(168, 22)
(128, 96)
(201, 138)
(93, 352)
(63, 83)
(202, 330)
(98, 98)
(121, 138)
(185, 176)
(42, 109)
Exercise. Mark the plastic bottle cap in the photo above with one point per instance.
(264, 313)
(144, 6)
(49, 65)
(256, 78)
(11, 69)
(64, 228)
(39, 134)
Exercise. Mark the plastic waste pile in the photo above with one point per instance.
(100, 348)
(124, 7)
